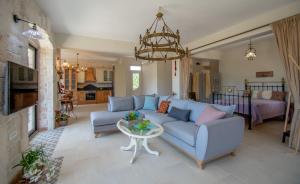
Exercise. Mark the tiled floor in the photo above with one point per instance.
(49, 139)
(262, 158)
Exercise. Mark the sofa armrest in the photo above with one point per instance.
(108, 107)
(218, 138)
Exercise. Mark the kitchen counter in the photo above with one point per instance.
(93, 96)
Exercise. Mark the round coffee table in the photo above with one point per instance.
(139, 139)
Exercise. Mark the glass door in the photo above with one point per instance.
(32, 119)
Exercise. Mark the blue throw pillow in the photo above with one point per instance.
(150, 103)
(138, 102)
(180, 114)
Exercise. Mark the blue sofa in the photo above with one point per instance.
(203, 143)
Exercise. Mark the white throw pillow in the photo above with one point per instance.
(256, 94)
(267, 95)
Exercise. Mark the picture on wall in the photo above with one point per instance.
(264, 74)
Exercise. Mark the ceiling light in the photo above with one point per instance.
(65, 64)
(160, 43)
(250, 52)
(32, 32)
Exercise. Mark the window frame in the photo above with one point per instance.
(139, 74)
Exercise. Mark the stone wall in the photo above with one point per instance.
(13, 47)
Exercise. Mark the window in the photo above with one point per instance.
(135, 68)
(32, 119)
(31, 57)
(135, 80)
(108, 75)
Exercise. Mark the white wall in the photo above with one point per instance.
(157, 78)
(123, 78)
(235, 68)
(210, 54)
(94, 44)
(176, 84)
(164, 78)
(120, 83)
(149, 78)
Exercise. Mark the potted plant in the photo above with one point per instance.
(62, 118)
(36, 167)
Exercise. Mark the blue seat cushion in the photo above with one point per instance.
(181, 104)
(102, 118)
(184, 131)
(159, 118)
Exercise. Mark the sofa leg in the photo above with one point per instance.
(200, 164)
(232, 153)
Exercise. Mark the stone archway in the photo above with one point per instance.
(47, 84)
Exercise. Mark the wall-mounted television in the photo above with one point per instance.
(21, 87)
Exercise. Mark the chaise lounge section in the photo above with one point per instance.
(203, 143)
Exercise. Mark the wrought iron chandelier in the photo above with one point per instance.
(250, 52)
(160, 43)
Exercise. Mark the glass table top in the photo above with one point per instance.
(140, 128)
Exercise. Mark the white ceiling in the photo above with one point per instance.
(125, 20)
(88, 58)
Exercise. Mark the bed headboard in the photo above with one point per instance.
(266, 85)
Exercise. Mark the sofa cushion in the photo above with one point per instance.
(180, 114)
(184, 131)
(209, 114)
(196, 109)
(150, 103)
(181, 104)
(121, 103)
(163, 98)
(138, 102)
(144, 111)
(157, 117)
(101, 118)
(163, 107)
(228, 109)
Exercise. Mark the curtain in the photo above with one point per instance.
(185, 76)
(287, 33)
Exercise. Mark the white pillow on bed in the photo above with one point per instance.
(267, 95)
(256, 94)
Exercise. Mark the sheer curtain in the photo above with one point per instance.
(185, 76)
(287, 33)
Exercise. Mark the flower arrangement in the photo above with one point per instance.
(131, 116)
(36, 166)
(61, 118)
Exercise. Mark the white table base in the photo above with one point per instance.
(136, 143)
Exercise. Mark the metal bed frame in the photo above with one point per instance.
(244, 97)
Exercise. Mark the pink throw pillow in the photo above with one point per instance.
(209, 114)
